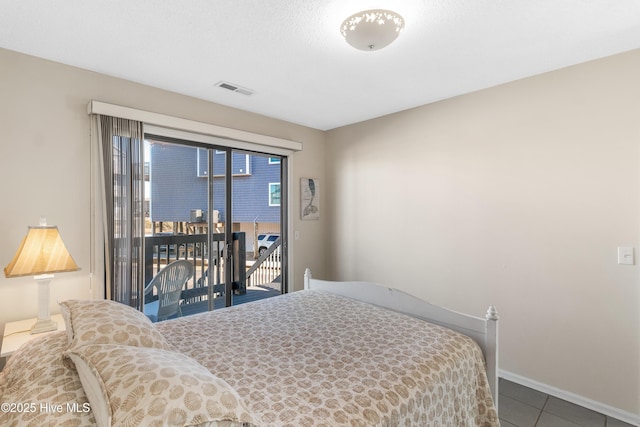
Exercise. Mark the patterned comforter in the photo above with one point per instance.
(303, 359)
(316, 359)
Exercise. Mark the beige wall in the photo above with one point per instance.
(45, 165)
(516, 196)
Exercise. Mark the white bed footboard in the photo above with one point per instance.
(483, 331)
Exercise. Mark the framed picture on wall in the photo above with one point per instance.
(309, 198)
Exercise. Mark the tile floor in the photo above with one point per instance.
(521, 406)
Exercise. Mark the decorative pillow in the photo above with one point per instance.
(109, 322)
(129, 385)
(36, 380)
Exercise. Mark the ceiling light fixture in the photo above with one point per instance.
(372, 29)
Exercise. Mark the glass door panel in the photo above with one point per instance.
(179, 221)
(257, 211)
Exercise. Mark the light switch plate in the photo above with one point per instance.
(625, 255)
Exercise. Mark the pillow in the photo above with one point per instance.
(108, 322)
(127, 385)
(35, 377)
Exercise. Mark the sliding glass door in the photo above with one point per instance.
(222, 210)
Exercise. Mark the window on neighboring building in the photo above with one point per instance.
(274, 194)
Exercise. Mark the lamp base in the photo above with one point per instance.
(43, 325)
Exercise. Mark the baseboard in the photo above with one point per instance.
(602, 408)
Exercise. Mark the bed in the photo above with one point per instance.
(336, 353)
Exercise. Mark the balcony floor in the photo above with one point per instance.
(254, 293)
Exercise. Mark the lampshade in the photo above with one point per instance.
(372, 29)
(42, 251)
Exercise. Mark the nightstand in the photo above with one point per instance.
(18, 333)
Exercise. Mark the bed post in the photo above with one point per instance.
(492, 352)
(307, 277)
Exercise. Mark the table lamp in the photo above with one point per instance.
(41, 253)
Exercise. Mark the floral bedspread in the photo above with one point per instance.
(316, 359)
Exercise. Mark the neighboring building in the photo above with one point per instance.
(178, 188)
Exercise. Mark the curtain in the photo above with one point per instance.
(121, 150)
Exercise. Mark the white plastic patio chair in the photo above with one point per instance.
(168, 284)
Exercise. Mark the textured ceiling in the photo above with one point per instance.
(291, 53)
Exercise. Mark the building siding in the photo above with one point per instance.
(178, 177)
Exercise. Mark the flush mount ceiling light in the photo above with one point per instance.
(372, 29)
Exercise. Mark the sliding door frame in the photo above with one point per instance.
(284, 222)
(208, 134)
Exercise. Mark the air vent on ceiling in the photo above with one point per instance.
(234, 88)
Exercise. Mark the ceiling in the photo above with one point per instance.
(291, 55)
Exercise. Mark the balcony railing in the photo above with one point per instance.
(162, 249)
(268, 267)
